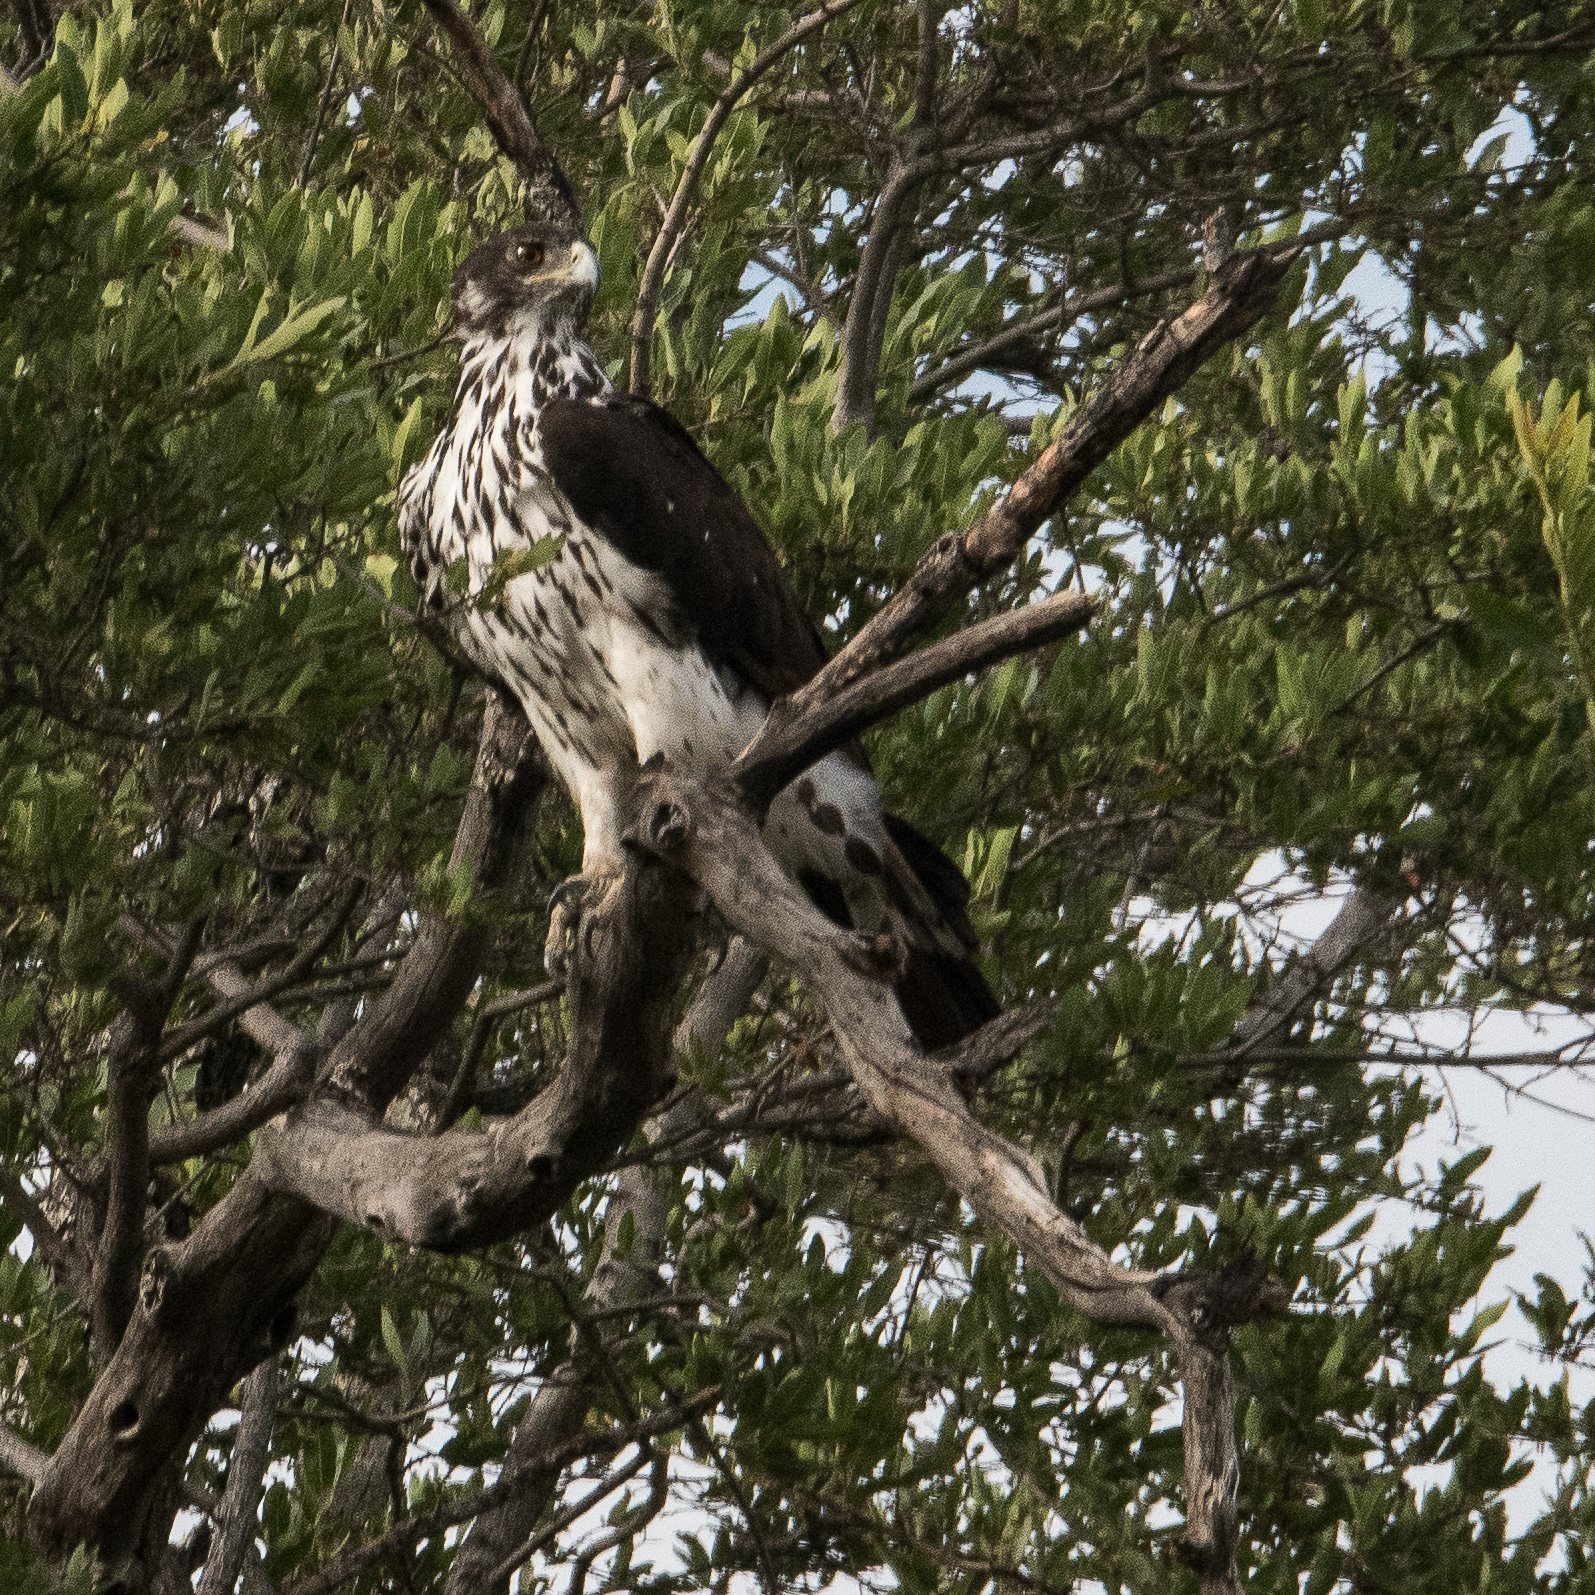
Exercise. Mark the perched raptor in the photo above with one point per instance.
(662, 624)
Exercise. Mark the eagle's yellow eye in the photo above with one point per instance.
(530, 255)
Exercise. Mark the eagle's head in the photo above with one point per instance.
(531, 278)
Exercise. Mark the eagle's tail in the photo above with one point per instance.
(943, 994)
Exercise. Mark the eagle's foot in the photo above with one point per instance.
(581, 897)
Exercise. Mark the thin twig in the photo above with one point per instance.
(52, 1245)
(653, 276)
(506, 113)
(326, 99)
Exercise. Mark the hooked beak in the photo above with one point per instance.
(583, 271)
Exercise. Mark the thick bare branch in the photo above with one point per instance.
(130, 1071)
(260, 1021)
(21, 1457)
(792, 737)
(715, 840)
(558, 1410)
(210, 1308)
(466, 1187)
(675, 218)
(285, 1083)
(511, 124)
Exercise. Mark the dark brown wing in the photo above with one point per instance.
(633, 475)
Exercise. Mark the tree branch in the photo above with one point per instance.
(132, 1060)
(878, 264)
(246, 1469)
(52, 1245)
(653, 276)
(507, 116)
(211, 1307)
(242, 998)
(589, 1443)
(1240, 296)
(37, 27)
(321, 107)
(464, 1188)
(978, 1056)
(973, 357)
(716, 842)
(794, 736)
(21, 1457)
(558, 1410)
(1362, 918)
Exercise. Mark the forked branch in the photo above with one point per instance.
(709, 835)
(1241, 294)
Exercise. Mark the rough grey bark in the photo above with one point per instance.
(209, 1308)
(821, 728)
(465, 1188)
(234, 1539)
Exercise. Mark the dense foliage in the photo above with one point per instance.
(1346, 639)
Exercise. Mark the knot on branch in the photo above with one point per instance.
(152, 1281)
(1213, 1303)
(1208, 1559)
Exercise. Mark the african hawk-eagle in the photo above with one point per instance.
(665, 623)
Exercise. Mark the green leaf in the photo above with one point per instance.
(294, 327)
(516, 562)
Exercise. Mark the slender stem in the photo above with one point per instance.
(506, 113)
(52, 1246)
(653, 276)
(326, 99)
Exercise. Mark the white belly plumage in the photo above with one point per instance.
(588, 645)
(592, 644)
